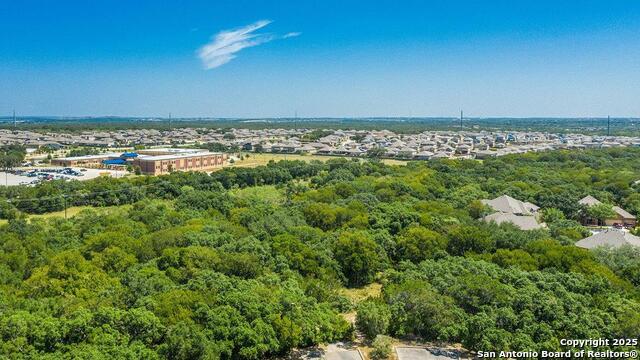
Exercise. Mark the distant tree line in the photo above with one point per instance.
(11, 156)
(595, 126)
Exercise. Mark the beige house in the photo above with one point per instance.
(509, 210)
(621, 217)
(507, 204)
(610, 238)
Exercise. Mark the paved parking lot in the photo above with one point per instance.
(343, 355)
(414, 353)
(334, 352)
(10, 179)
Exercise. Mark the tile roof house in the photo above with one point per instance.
(531, 207)
(589, 201)
(523, 222)
(622, 216)
(519, 213)
(610, 238)
(507, 204)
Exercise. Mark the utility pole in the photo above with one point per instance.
(15, 123)
(461, 120)
(170, 121)
(608, 125)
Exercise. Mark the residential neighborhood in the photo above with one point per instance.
(611, 230)
(383, 143)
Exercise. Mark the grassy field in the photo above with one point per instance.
(358, 294)
(71, 212)
(254, 160)
(74, 210)
(266, 193)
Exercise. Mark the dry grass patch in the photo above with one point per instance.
(254, 160)
(358, 294)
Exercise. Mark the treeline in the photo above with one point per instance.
(11, 156)
(106, 191)
(250, 263)
(483, 305)
(599, 126)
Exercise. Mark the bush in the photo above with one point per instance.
(8, 211)
(373, 318)
(381, 347)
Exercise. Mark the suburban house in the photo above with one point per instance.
(522, 222)
(621, 217)
(507, 204)
(519, 213)
(609, 238)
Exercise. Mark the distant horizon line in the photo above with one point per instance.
(305, 118)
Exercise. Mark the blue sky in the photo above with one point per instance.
(320, 58)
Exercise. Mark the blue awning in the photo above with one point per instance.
(114, 162)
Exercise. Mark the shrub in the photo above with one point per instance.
(373, 318)
(381, 347)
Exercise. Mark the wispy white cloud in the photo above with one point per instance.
(291, 34)
(224, 46)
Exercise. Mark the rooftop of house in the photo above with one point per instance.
(527, 222)
(507, 204)
(623, 213)
(591, 201)
(609, 238)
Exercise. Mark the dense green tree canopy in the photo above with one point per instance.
(250, 263)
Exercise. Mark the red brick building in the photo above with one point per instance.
(164, 164)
